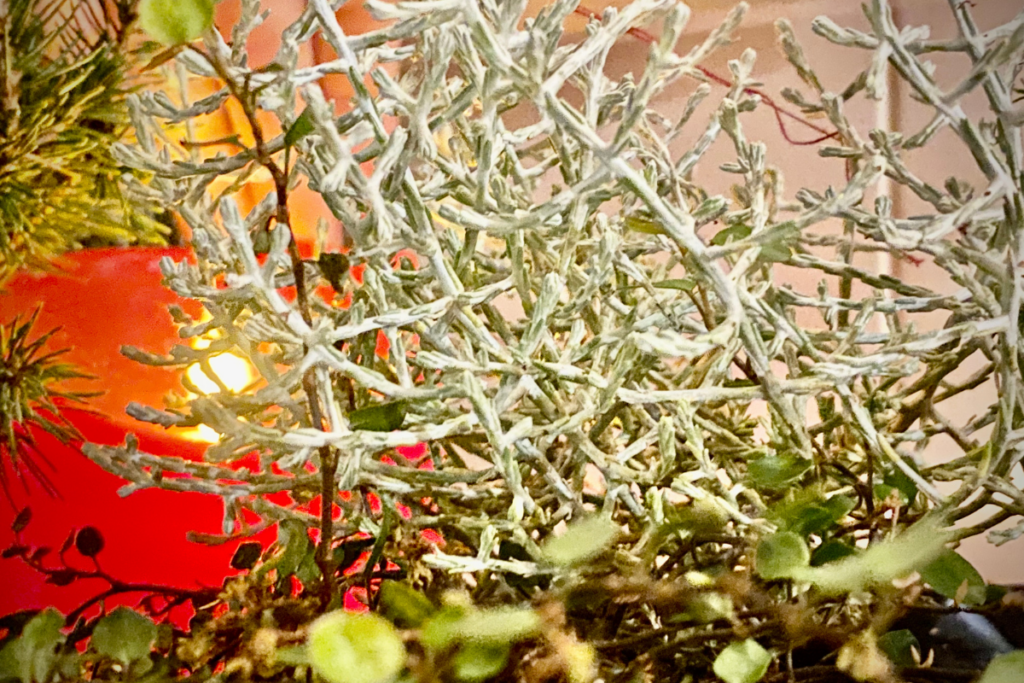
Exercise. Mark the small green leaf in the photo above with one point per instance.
(124, 635)
(899, 480)
(644, 225)
(774, 252)
(308, 570)
(780, 554)
(21, 520)
(477, 662)
(442, 629)
(898, 646)
(709, 607)
(744, 662)
(293, 540)
(1007, 668)
(355, 648)
(776, 472)
(499, 625)
(731, 234)
(405, 605)
(292, 655)
(811, 514)
(582, 541)
(300, 128)
(174, 22)
(384, 417)
(683, 284)
(880, 564)
(32, 655)
(831, 551)
(948, 573)
(453, 625)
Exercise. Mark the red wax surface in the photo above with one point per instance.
(103, 299)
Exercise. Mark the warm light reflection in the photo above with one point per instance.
(234, 372)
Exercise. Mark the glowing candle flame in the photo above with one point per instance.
(234, 373)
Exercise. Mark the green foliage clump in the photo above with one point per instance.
(63, 88)
(30, 378)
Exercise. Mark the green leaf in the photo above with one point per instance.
(124, 635)
(776, 472)
(780, 554)
(831, 551)
(684, 284)
(644, 225)
(384, 417)
(898, 646)
(582, 541)
(32, 655)
(308, 570)
(453, 625)
(811, 514)
(293, 540)
(880, 564)
(404, 605)
(949, 573)
(300, 128)
(709, 607)
(899, 480)
(21, 520)
(442, 629)
(355, 648)
(174, 22)
(477, 662)
(1008, 668)
(292, 655)
(731, 234)
(744, 662)
(774, 252)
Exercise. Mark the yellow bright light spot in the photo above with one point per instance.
(233, 371)
(203, 433)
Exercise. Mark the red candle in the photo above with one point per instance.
(102, 299)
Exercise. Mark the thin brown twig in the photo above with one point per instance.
(328, 455)
(780, 112)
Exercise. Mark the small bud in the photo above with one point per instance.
(89, 541)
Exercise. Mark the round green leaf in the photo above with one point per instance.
(780, 554)
(175, 22)
(477, 662)
(32, 655)
(831, 551)
(454, 624)
(954, 577)
(745, 662)
(355, 648)
(898, 646)
(124, 635)
(405, 605)
(1008, 668)
(581, 542)
(776, 472)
